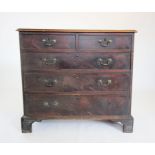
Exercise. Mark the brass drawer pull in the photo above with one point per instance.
(49, 42)
(54, 103)
(105, 42)
(50, 82)
(76, 76)
(104, 61)
(104, 83)
(49, 61)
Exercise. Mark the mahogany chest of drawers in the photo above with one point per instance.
(76, 74)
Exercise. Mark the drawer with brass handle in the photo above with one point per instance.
(105, 41)
(47, 41)
(78, 60)
(47, 82)
(49, 105)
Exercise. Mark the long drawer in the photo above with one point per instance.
(69, 82)
(53, 105)
(75, 60)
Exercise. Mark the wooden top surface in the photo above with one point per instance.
(75, 30)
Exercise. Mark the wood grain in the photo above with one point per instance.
(52, 105)
(81, 88)
(45, 82)
(73, 30)
(86, 60)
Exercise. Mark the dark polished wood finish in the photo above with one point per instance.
(66, 105)
(45, 41)
(116, 41)
(74, 60)
(47, 82)
(77, 74)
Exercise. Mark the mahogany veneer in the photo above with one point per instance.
(77, 74)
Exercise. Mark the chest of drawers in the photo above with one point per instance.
(76, 74)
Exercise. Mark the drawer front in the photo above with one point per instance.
(42, 104)
(46, 42)
(105, 41)
(47, 61)
(67, 82)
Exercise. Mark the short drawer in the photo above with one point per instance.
(75, 60)
(50, 105)
(47, 41)
(105, 42)
(69, 82)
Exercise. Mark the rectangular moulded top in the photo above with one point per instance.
(75, 30)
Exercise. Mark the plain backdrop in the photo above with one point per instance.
(143, 100)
